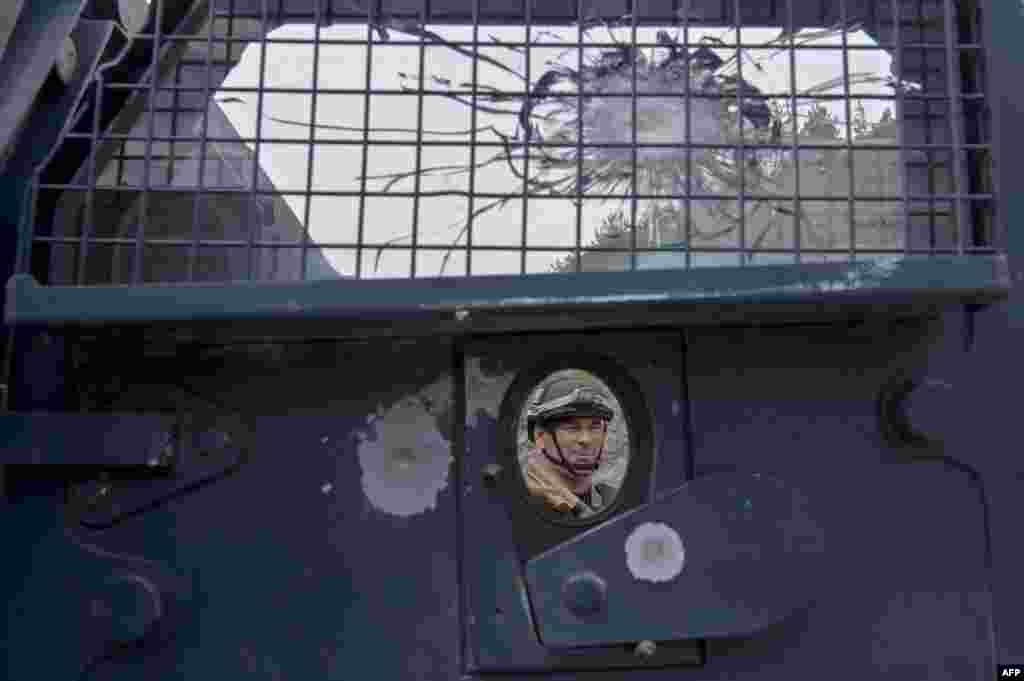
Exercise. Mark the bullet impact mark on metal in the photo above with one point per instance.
(407, 466)
(654, 553)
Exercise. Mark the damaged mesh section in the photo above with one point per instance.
(283, 141)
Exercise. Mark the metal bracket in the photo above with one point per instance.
(40, 32)
(133, 462)
(725, 555)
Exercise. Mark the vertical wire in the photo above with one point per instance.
(850, 206)
(229, 47)
(633, 148)
(975, 128)
(741, 160)
(175, 105)
(901, 122)
(257, 147)
(797, 210)
(994, 229)
(687, 96)
(118, 248)
(472, 134)
(579, 135)
(424, 18)
(26, 228)
(193, 255)
(528, 11)
(956, 115)
(371, 7)
(926, 104)
(311, 149)
(140, 234)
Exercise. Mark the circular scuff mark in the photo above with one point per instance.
(406, 466)
(654, 553)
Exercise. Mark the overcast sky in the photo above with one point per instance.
(550, 222)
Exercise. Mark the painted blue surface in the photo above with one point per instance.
(290, 582)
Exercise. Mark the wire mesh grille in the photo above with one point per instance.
(315, 140)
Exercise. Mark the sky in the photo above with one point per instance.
(549, 223)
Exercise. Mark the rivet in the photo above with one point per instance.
(67, 61)
(584, 594)
(491, 473)
(645, 649)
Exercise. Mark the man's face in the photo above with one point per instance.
(580, 437)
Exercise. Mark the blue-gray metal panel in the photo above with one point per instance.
(954, 277)
(101, 440)
(975, 414)
(1005, 62)
(752, 550)
(905, 539)
(296, 571)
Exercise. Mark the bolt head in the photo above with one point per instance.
(645, 649)
(67, 61)
(491, 473)
(585, 594)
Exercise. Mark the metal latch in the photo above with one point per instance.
(724, 555)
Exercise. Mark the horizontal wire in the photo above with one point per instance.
(510, 248)
(567, 44)
(297, 141)
(519, 94)
(236, 191)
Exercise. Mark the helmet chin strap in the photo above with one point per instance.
(576, 473)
